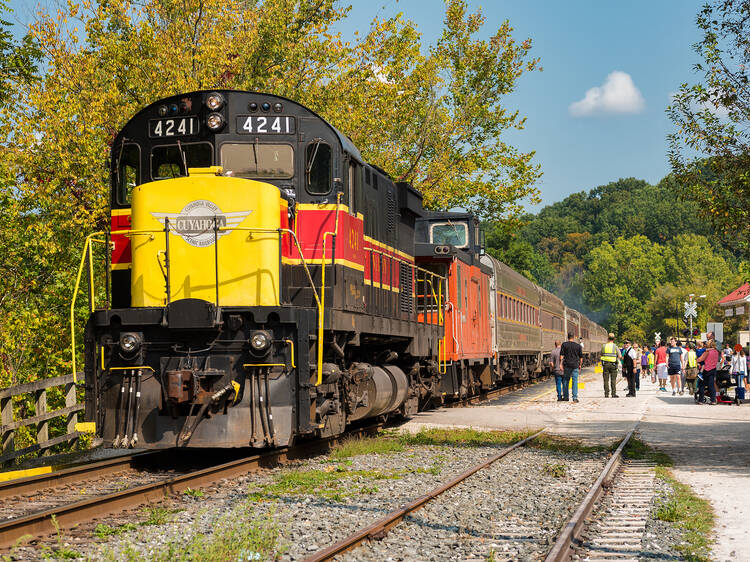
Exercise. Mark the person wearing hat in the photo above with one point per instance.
(629, 358)
(610, 356)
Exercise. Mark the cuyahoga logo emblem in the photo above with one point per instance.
(195, 223)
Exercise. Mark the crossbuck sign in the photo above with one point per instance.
(691, 309)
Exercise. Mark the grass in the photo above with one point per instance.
(693, 514)
(327, 483)
(331, 482)
(193, 493)
(104, 531)
(556, 470)
(462, 437)
(239, 535)
(638, 450)
(62, 551)
(158, 515)
(366, 446)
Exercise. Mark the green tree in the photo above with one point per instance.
(710, 150)
(18, 60)
(504, 245)
(621, 277)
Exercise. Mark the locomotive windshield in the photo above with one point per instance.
(455, 234)
(169, 161)
(254, 160)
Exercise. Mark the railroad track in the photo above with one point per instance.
(62, 487)
(618, 538)
(379, 529)
(569, 537)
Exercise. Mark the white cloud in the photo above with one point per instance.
(618, 94)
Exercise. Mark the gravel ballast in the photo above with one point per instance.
(512, 509)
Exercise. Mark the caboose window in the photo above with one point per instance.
(169, 161)
(128, 172)
(318, 168)
(456, 234)
(257, 160)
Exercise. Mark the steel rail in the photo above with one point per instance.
(73, 475)
(496, 393)
(72, 514)
(381, 527)
(566, 540)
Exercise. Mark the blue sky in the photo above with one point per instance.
(619, 131)
(580, 43)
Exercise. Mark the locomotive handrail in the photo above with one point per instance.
(86, 251)
(321, 302)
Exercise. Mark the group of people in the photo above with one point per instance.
(692, 366)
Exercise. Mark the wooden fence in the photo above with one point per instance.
(41, 419)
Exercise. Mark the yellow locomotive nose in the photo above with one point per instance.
(204, 236)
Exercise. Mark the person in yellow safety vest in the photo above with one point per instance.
(610, 357)
(691, 368)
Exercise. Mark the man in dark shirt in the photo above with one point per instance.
(572, 359)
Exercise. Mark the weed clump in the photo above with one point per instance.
(556, 470)
(463, 437)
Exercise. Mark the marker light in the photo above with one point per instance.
(266, 106)
(215, 101)
(162, 111)
(173, 109)
(277, 107)
(252, 106)
(215, 121)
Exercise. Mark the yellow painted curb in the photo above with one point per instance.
(16, 474)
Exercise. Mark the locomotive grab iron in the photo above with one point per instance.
(268, 284)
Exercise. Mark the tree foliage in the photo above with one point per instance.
(18, 59)
(710, 150)
(627, 254)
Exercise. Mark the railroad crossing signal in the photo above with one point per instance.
(691, 309)
(657, 337)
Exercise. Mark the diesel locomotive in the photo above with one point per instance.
(265, 284)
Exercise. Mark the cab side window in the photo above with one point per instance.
(318, 168)
(128, 172)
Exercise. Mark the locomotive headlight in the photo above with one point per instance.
(130, 342)
(215, 121)
(215, 101)
(260, 340)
